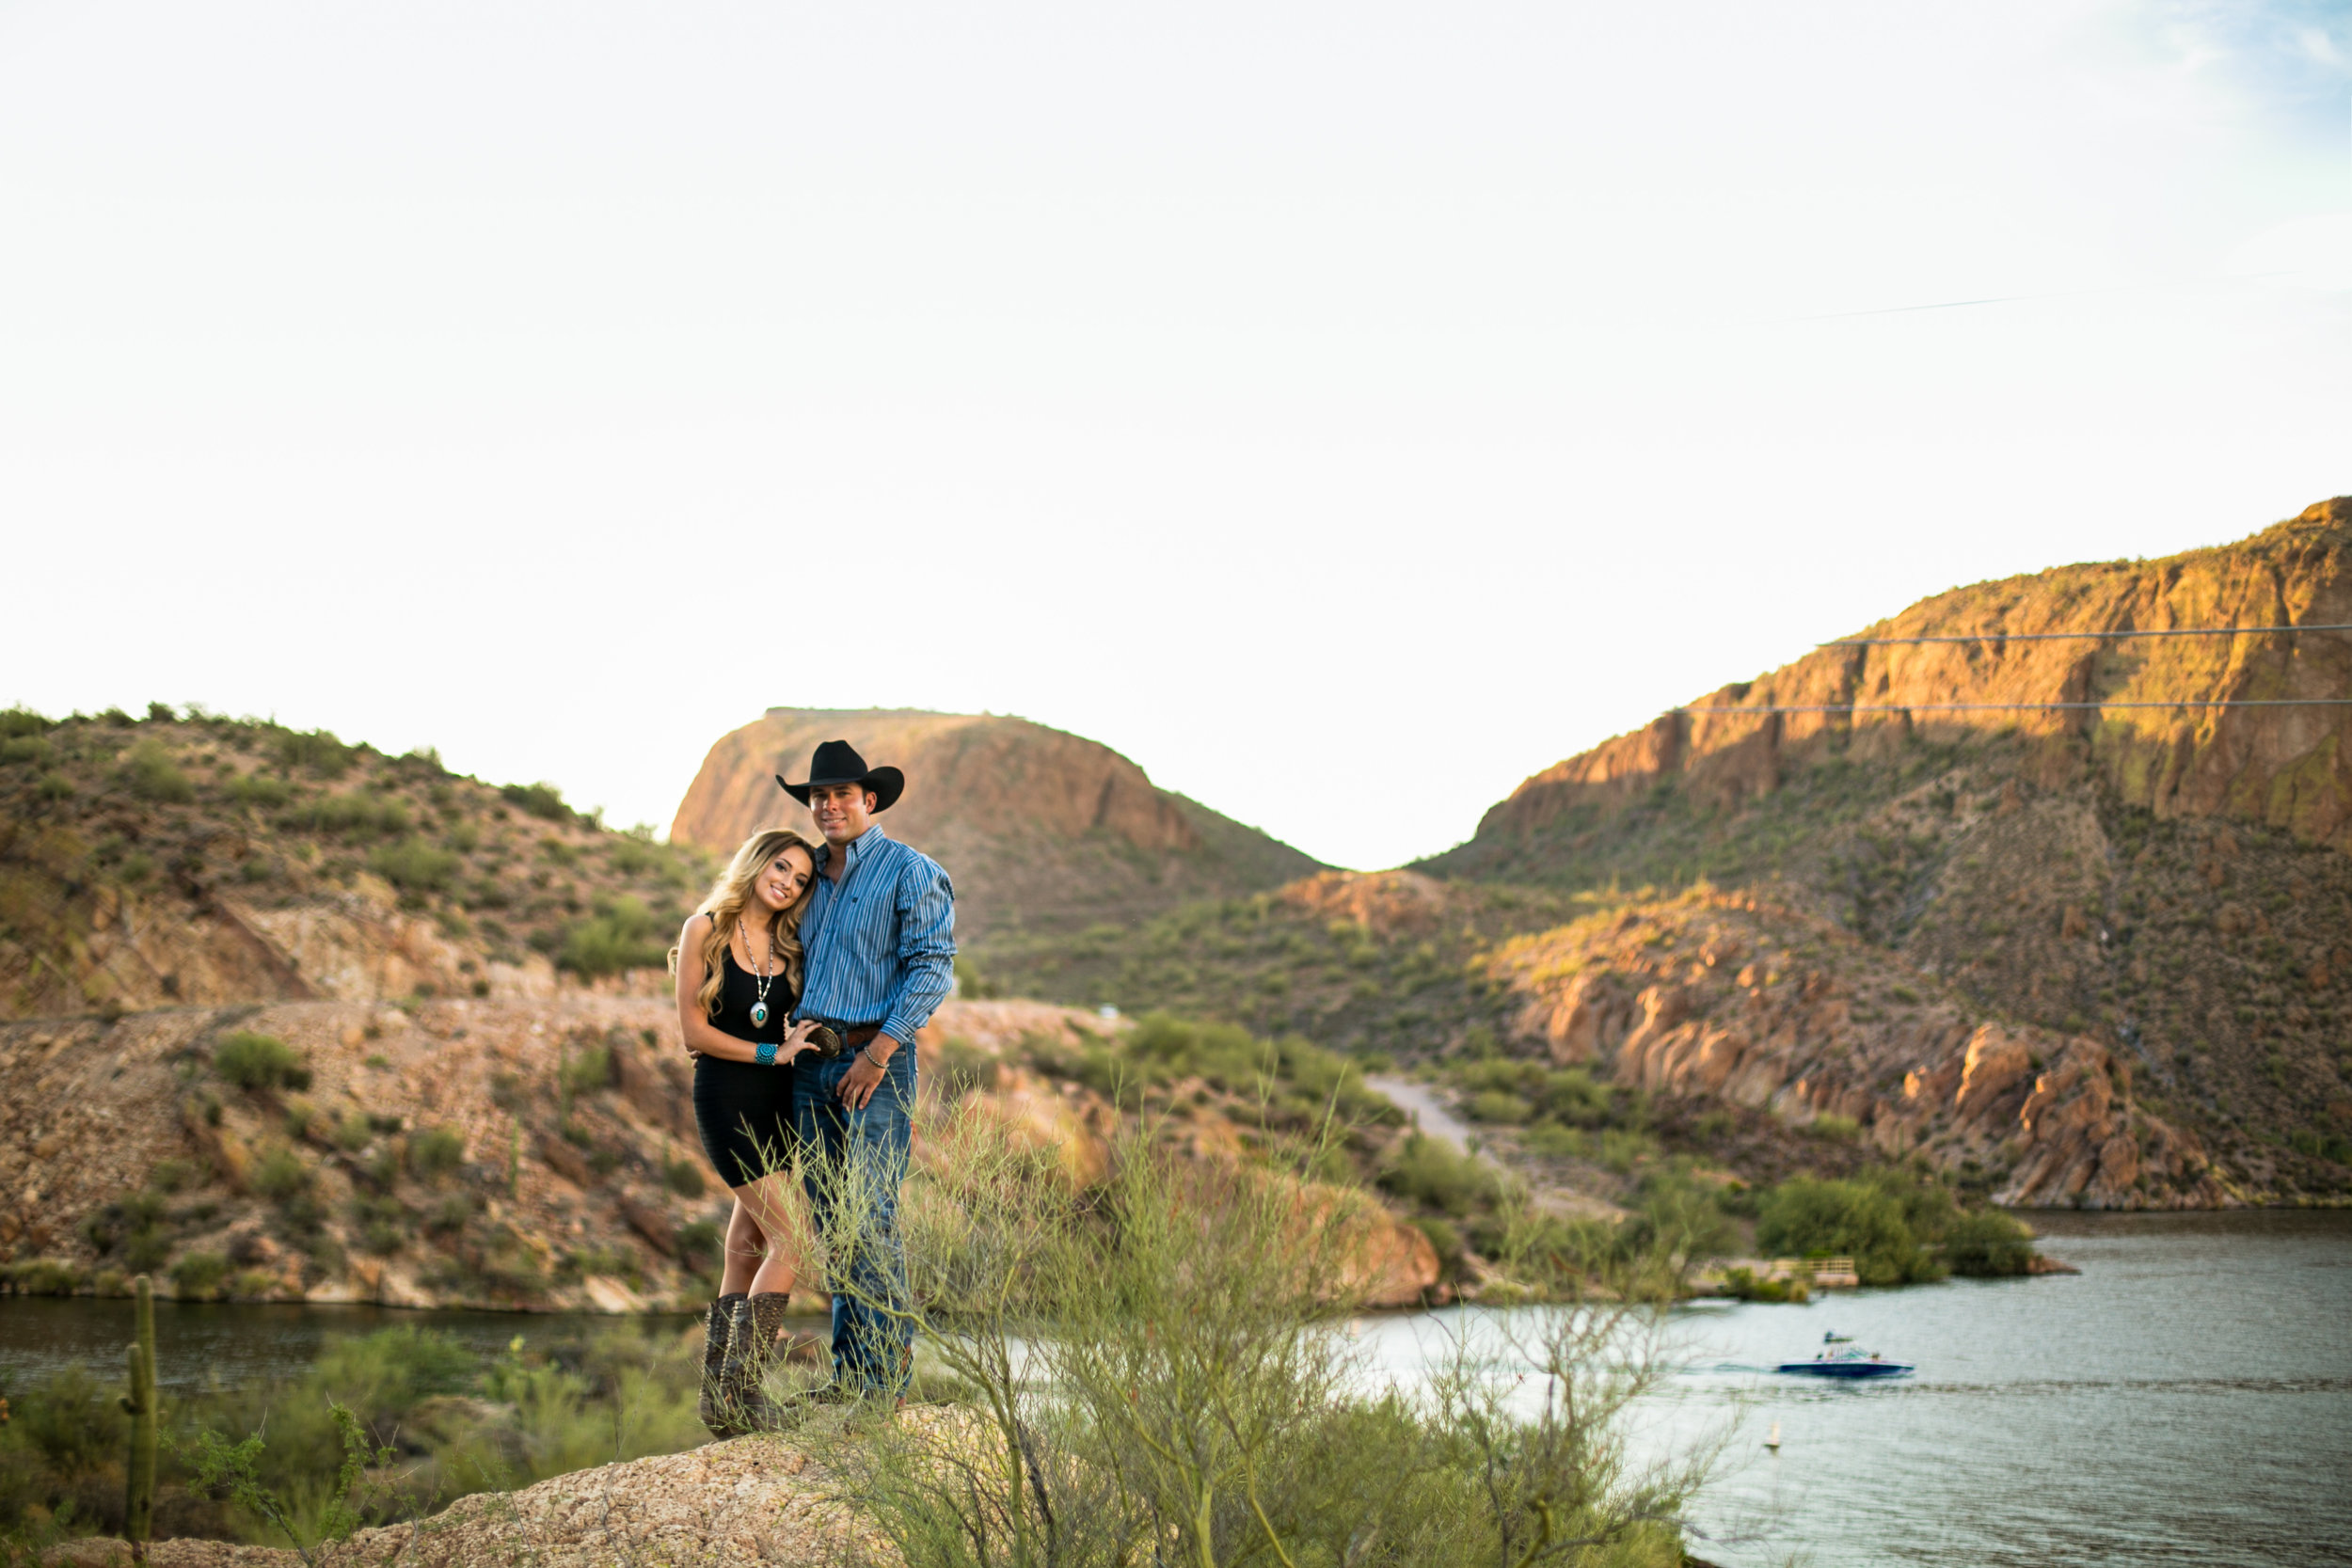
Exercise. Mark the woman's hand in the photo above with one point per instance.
(796, 1039)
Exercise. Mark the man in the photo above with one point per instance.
(880, 954)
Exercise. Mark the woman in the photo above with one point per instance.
(737, 962)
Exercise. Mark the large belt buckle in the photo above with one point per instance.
(823, 1044)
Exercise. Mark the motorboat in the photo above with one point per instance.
(1839, 1358)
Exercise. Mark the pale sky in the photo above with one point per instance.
(1343, 411)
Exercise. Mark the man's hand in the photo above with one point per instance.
(859, 1084)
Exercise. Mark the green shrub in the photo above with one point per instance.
(1430, 1172)
(1745, 1285)
(1497, 1106)
(259, 789)
(169, 1176)
(1806, 1216)
(318, 751)
(350, 817)
(436, 1151)
(281, 1175)
(145, 1250)
(352, 1133)
(26, 749)
(199, 1274)
(55, 786)
(542, 800)
(964, 1068)
(698, 1244)
(1840, 1129)
(253, 1061)
(588, 1071)
(1988, 1244)
(684, 1177)
(19, 722)
(416, 866)
(622, 934)
(43, 1276)
(148, 772)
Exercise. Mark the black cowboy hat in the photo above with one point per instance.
(838, 762)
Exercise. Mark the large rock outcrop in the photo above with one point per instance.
(1728, 996)
(2286, 767)
(1042, 830)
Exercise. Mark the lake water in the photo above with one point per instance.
(2185, 1399)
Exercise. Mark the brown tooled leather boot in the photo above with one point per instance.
(743, 1395)
(712, 1407)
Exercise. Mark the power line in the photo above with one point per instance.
(2012, 708)
(2071, 636)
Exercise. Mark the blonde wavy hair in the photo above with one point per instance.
(724, 903)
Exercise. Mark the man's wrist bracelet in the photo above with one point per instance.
(765, 1053)
(867, 1051)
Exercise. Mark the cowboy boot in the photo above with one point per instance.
(712, 1407)
(768, 1310)
(744, 1398)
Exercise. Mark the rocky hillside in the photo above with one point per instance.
(536, 1154)
(1044, 833)
(2166, 894)
(206, 860)
(2283, 768)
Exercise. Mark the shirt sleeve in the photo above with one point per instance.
(926, 948)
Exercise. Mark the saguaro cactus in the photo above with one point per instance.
(138, 1519)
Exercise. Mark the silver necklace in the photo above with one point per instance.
(759, 1007)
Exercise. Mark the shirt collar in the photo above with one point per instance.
(855, 851)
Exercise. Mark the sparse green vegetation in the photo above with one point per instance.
(253, 1061)
(435, 1151)
(416, 866)
(622, 934)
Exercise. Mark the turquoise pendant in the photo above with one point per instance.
(759, 1014)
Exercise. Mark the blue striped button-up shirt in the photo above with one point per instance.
(880, 944)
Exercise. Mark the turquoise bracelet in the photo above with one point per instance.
(766, 1054)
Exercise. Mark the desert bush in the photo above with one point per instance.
(259, 789)
(683, 1176)
(622, 934)
(316, 750)
(43, 1276)
(1871, 1221)
(281, 1175)
(1148, 1373)
(16, 722)
(964, 1068)
(199, 1274)
(1988, 1244)
(253, 1061)
(24, 751)
(148, 771)
(415, 866)
(352, 1132)
(350, 817)
(543, 801)
(1498, 1106)
(435, 1151)
(587, 1071)
(1431, 1172)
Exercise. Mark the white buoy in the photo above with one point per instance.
(1772, 1442)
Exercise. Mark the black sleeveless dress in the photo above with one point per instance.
(742, 1110)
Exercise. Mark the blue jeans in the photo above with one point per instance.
(858, 1160)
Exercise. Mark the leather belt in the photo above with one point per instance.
(832, 1040)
